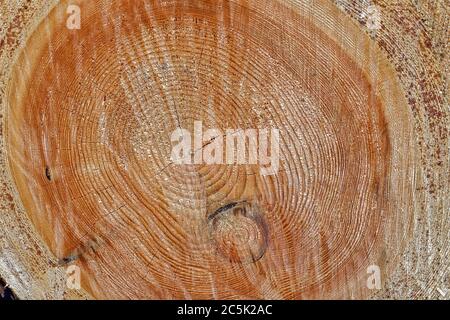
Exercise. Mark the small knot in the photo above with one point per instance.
(239, 232)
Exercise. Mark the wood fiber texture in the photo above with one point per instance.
(87, 178)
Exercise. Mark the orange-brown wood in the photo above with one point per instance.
(88, 137)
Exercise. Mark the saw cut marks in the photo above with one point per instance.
(89, 127)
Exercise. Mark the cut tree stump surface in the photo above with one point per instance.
(87, 179)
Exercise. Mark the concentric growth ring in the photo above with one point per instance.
(89, 131)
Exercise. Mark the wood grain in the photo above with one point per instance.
(87, 120)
